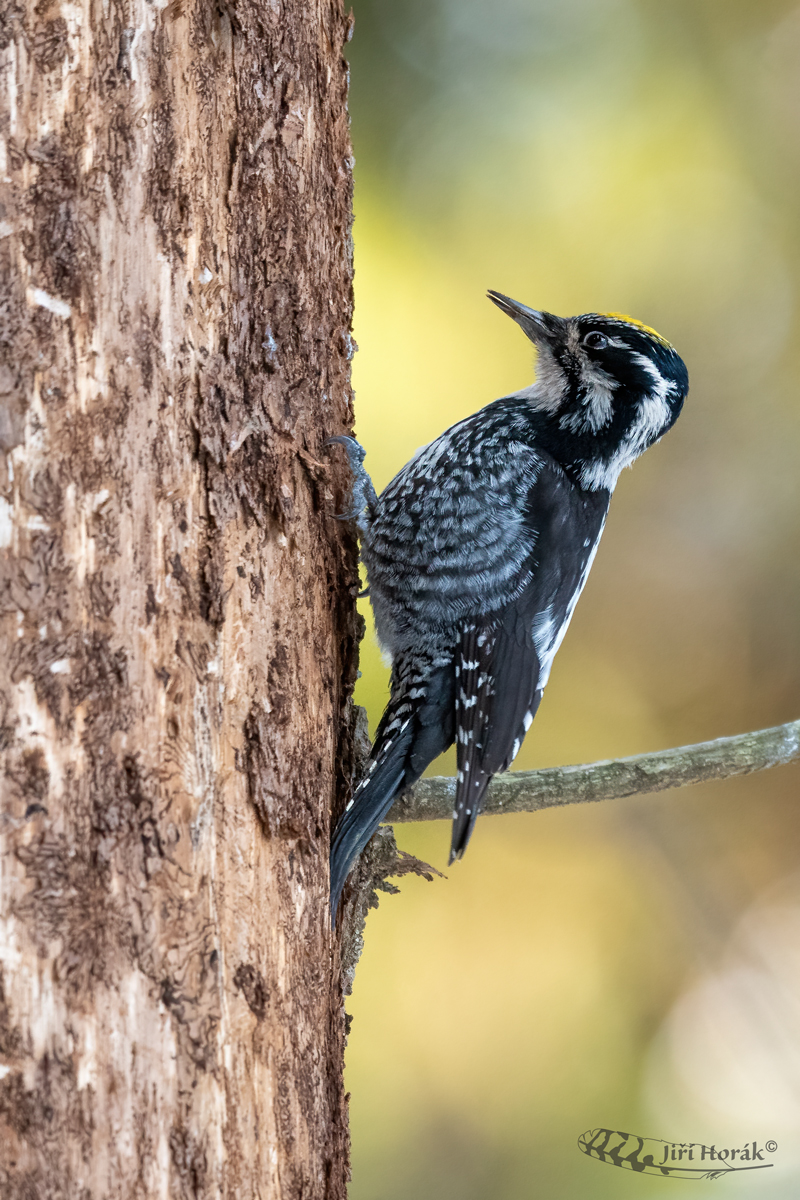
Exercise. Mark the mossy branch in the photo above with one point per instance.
(528, 791)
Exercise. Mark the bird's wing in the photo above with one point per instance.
(497, 673)
(503, 661)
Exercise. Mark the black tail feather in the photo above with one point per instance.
(412, 732)
(369, 806)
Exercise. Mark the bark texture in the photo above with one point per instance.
(177, 628)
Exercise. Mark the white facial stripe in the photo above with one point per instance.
(663, 387)
(654, 412)
(597, 406)
(599, 409)
(652, 417)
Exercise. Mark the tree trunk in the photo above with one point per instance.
(176, 613)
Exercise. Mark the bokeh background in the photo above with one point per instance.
(634, 964)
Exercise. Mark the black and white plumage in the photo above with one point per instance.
(477, 551)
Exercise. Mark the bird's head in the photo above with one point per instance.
(607, 387)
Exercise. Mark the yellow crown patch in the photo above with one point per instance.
(639, 325)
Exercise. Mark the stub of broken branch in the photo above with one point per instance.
(528, 791)
(379, 861)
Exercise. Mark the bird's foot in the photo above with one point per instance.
(363, 496)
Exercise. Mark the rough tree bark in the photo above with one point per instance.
(177, 626)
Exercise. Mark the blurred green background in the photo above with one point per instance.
(634, 964)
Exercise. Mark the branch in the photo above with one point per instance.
(528, 791)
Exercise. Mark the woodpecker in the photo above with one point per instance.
(477, 551)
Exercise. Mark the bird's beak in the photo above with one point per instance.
(541, 327)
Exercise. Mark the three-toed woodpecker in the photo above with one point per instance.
(477, 552)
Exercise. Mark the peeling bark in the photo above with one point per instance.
(176, 614)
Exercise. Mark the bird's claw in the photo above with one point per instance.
(363, 493)
(355, 451)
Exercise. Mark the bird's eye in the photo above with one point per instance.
(596, 341)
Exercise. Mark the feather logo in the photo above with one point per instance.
(679, 1160)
